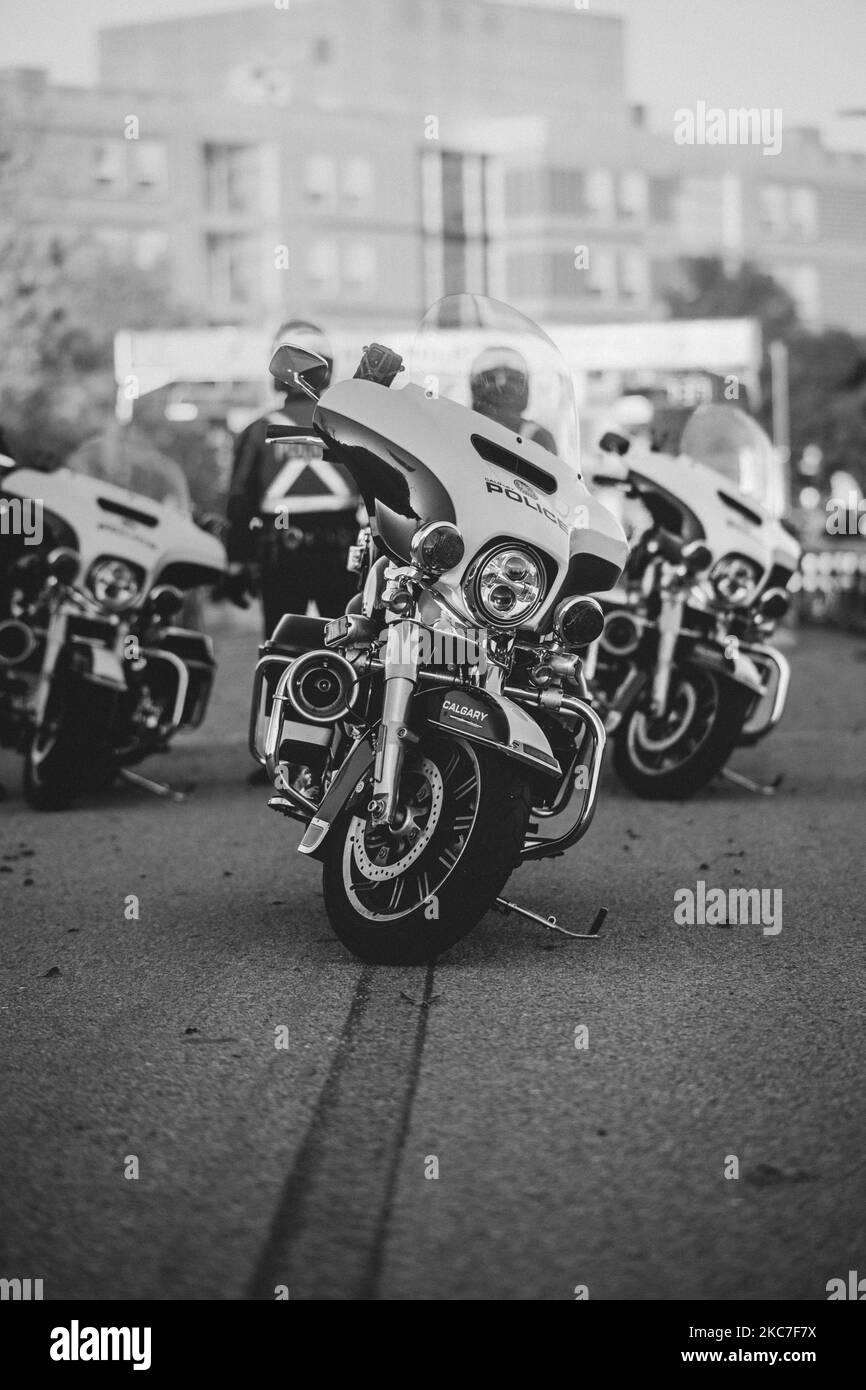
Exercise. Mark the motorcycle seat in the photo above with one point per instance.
(294, 634)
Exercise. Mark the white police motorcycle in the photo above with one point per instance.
(95, 672)
(439, 733)
(684, 672)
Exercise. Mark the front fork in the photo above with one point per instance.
(55, 640)
(670, 622)
(401, 678)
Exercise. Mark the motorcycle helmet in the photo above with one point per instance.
(499, 382)
(308, 335)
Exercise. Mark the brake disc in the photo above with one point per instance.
(380, 873)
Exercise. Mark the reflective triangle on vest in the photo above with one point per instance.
(306, 483)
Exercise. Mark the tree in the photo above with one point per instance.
(827, 370)
(63, 295)
(708, 291)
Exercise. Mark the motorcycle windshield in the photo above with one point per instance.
(500, 365)
(129, 461)
(734, 445)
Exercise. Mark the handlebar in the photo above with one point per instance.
(667, 545)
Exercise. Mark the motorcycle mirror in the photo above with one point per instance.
(696, 557)
(64, 564)
(290, 364)
(775, 603)
(166, 600)
(613, 443)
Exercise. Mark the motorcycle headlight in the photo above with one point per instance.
(114, 584)
(437, 547)
(735, 580)
(506, 586)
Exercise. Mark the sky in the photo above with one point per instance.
(805, 56)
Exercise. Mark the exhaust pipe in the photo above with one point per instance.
(321, 687)
(17, 643)
(622, 634)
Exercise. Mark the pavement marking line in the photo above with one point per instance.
(328, 1234)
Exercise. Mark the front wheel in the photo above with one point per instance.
(68, 755)
(403, 896)
(675, 754)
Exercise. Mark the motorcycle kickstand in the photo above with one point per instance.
(146, 784)
(759, 788)
(551, 923)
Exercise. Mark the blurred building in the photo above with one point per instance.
(354, 160)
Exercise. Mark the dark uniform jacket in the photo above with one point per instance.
(267, 479)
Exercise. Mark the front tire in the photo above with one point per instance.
(68, 755)
(674, 755)
(403, 899)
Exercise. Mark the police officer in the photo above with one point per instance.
(291, 515)
(499, 382)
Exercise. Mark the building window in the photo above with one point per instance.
(634, 277)
(115, 243)
(566, 191)
(773, 206)
(633, 197)
(358, 182)
(322, 269)
(232, 264)
(600, 276)
(232, 178)
(359, 267)
(661, 199)
(320, 180)
(600, 192)
(149, 164)
(522, 192)
(150, 248)
(108, 165)
(562, 279)
(803, 212)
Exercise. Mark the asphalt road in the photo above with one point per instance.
(309, 1166)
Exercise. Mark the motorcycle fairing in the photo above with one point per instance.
(505, 727)
(484, 717)
(382, 435)
(110, 520)
(699, 491)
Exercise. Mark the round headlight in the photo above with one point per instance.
(437, 547)
(114, 584)
(735, 580)
(508, 586)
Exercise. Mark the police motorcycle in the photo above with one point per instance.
(95, 672)
(439, 732)
(683, 672)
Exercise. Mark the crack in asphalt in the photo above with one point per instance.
(348, 1165)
